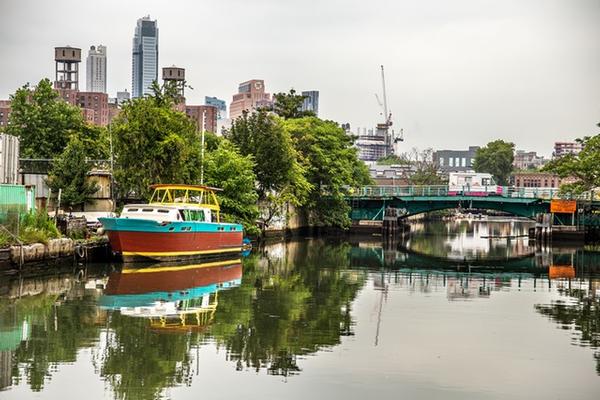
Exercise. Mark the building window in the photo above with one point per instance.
(464, 162)
(441, 161)
(451, 162)
(457, 162)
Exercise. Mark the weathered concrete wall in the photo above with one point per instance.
(288, 219)
(38, 252)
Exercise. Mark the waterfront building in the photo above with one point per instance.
(455, 160)
(96, 69)
(4, 112)
(144, 56)
(311, 101)
(204, 117)
(98, 103)
(539, 179)
(251, 95)
(220, 104)
(528, 160)
(564, 148)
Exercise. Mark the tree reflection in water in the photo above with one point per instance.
(579, 312)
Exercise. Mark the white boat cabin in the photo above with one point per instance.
(163, 213)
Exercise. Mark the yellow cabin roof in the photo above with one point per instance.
(191, 195)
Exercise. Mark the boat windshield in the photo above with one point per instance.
(196, 196)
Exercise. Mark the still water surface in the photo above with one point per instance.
(446, 314)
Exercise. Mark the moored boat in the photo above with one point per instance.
(179, 222)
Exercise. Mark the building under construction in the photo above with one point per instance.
(375, 145)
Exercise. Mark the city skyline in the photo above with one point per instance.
(459, 76)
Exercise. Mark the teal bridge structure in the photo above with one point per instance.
(370, 202)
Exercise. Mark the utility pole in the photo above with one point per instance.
(202, 151)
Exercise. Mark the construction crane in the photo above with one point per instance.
(387, 115)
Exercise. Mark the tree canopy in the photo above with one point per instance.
(153, 143)
(262, 136)
(496, 158)
(70, 173)
(585, 166)
(332, 168)
(289, 105)
(226, 168)
(43, 121)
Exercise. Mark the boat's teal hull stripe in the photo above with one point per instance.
(142, 225)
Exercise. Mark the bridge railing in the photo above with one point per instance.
(400, 191)
(442, 190)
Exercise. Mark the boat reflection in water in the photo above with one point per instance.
(174, 297)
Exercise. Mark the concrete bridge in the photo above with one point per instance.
(370, 202)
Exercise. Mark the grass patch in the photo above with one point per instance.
(37, 227)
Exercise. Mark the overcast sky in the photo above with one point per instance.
(458, 72)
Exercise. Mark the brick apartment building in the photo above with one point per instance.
(4, 112)
(203, 116)
(537, 179)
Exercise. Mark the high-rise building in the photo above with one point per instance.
(144, 56)
(563, 148)
(251, 94)
(311, 101)
(220, 104)
(96, 69)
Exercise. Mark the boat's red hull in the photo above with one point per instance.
(165, 278)
(133, 246)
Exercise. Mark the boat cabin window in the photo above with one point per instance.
(192, 215)
(131, 209)
(147, 209)
(160, 210)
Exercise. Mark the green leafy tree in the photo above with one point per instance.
(585, 166)
(69, 172)
(496, 158)
(43, 121)
(332, 168)
(280, 176)
(154, 143)
(226, 168)
(289, 105)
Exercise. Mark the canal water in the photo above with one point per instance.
(460, 310)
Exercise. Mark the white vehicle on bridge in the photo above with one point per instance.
(472, 184)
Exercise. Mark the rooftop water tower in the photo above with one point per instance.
(67, 67)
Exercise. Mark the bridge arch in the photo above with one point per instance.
(374, 208)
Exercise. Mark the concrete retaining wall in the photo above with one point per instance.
(39, 252)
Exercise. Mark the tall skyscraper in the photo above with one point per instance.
(144, 56)
(96, 69)
(220, 104)
(311, 101)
